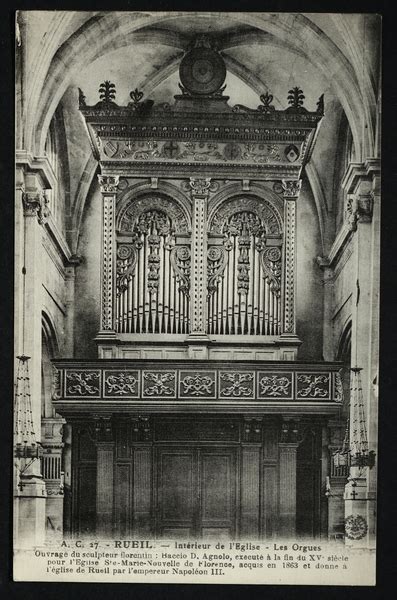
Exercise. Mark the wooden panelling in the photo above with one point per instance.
(142, 503)
(269, 501)
(217, 488)
(85, 504)
(176, 471)
(123, 449)
(197, 479)
(196, 491)
(270, 439)
(250, 489)
(86, 447)
(122, 504)
(188, 430)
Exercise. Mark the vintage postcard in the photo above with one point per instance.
(197, 232)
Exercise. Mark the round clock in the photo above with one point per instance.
(202, 71)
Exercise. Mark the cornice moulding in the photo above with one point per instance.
(39, 164)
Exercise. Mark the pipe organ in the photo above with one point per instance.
(196, 394)
(152, 281)
(244, 266)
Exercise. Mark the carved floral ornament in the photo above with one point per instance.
(358, 209)
(36, 205)
(291, 187)
(260, 207)
(200, 186)
(132, 211)
(174, 382)
(108, 183)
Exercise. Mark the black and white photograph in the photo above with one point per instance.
(196, 297)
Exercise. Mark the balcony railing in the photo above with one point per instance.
(158, 385)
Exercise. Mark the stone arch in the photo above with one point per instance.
(257, 197)
(83, 189)
(135, 204)
(343, 352)
(49, 350)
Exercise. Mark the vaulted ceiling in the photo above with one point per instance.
(322, 54)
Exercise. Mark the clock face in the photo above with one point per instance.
(202, 71)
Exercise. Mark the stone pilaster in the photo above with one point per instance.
(200, 189)
(328, 304)
(291, 189)
(362, 214)
(108, 185)
(105, 476)
(251, 475)
(70, 277)
(29, 286)
(33, 178)
(288, 447)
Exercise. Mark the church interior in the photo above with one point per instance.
(197, 217)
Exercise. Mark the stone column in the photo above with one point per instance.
(108, 185)
(200, 189)
(35, 215)
(362, 186)
(31, 214)
(291, 189)
(70, 276)
(288, 447)
(105, 477)
(328, 304)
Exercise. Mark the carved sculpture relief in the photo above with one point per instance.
(36, 205)
(164, 151)
(236, 385)
(313, 386)
(158, 384)
(181, 261)
(275, 386)
(121, 383)
(107, 263)
(82, 383)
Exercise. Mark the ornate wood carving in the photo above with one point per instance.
(291, 191)
(245, 296)
(108, 242)
(217, 257)
(200, 189)
(153, 271)
(181, 262)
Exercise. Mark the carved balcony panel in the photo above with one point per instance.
(176, 386)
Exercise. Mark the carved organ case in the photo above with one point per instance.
(198, 270)
(199, 214)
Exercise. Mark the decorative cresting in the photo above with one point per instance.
(244, 268)
(153, 267)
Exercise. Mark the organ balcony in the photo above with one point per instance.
(159, 386)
